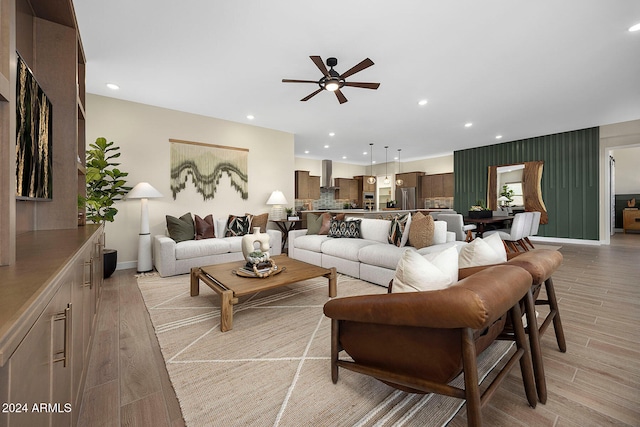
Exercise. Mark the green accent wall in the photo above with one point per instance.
(570, 178)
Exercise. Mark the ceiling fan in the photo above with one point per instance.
(332, 81)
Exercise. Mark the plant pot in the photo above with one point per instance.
(480, 214)
(110, 260)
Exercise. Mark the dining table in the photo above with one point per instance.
(486, 224)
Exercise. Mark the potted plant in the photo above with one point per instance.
(479, 211)
(508, 194)
(105, 185)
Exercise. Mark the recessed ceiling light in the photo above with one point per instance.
(250, 117)
(635, 27)
(332, 133)
(306, 151)
(364, 153)
(113, 86)
(422, 102)
(468, 125)
(344, 157)
(498, 136)
(373, 161)
(326, 146)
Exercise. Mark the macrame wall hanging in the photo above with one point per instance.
(206, 163)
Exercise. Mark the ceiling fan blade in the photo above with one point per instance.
(298, 81)
(341, 98)
(365, 63)
(308, 97)
(363, 85)
(318, 61)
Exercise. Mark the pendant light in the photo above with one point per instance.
(399, 181)
(386, 159)
(371, 179)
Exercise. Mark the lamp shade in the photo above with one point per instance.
(143, 190)
(503, 199)
(277, 198)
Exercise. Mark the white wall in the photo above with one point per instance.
(618, 135)
(143, 134)
(627, 173)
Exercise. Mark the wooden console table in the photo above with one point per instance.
(631, 219)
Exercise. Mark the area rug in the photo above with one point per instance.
(273, 367)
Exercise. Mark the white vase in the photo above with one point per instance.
(249, 240)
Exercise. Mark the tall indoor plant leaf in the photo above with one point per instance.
(106, 184)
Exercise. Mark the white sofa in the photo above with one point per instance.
(171, 258)
(370, 258)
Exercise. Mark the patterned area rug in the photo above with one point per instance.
(272, 368)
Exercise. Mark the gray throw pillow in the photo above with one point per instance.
(181, 229)
(314, 222)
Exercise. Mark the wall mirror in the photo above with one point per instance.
(526, 176)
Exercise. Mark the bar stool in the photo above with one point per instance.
(541, 264)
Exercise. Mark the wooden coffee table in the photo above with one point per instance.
(222, 279)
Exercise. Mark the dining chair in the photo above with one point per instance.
(455, 223)
(514, 236)
(535, 225)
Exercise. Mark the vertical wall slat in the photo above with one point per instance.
(569, 180)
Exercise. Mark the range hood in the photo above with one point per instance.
(326, 179)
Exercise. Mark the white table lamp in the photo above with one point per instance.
(277, 200)
(144, 191)
(502, 200)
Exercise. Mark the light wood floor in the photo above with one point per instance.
(595, 383)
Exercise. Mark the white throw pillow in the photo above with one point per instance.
(481, 252)
(429, 272)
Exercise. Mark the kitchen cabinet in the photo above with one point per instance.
(410, 179)
(44, 345)
(346, 188)
(306, 186)
(437, 185)
(363, 187)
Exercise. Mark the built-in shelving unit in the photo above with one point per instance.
(45, 33)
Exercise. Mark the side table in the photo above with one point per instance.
(285, 226)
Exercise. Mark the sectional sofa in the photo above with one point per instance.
(171, 258)
(371, 257)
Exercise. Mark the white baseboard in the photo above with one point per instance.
(126, 265)
(564, 240)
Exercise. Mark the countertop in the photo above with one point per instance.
(25, 287)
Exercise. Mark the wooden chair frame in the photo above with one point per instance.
(471, 393)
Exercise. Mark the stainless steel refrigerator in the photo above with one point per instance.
(406, 198)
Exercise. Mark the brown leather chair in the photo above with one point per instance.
(541, 264)
(420, 341)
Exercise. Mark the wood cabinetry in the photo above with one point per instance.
(437, 185)
(45, 34)
(631, 219)
(47, 318)
(410, 179)
(346, 188)
(363, 187)
(306, 186)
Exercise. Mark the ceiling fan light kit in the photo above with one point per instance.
(332, 81)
